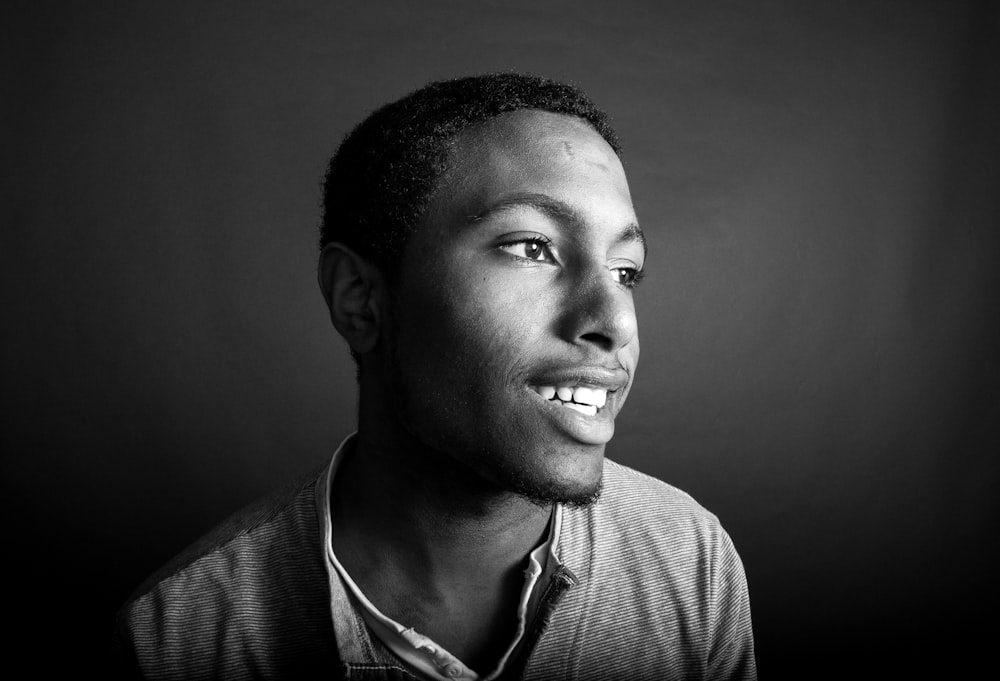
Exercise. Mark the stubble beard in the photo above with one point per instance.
(545, 496)
(512, 479)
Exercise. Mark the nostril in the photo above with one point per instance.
(599, 339)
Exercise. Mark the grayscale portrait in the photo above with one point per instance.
(482, 341)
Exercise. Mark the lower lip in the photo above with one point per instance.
(589, 430)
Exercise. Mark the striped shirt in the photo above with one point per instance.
(647, 585)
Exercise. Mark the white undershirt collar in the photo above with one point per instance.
(420, 652)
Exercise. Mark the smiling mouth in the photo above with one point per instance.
(586, 400)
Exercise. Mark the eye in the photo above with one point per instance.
(534, 249)
(629, 277)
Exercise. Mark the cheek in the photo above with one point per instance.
(481, 318)
(471, 321)
(458, 372)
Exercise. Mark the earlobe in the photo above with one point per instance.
(351, 287)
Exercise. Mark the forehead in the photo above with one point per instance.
(530, 151)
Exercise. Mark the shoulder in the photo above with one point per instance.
(626, 483)
(638, 500)
(649, 529)
(260, 573)
(282, 515)
(654, 566)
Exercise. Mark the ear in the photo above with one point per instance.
(352, 287)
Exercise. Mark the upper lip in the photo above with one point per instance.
(608, 378)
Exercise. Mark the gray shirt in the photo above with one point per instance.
(647, 585)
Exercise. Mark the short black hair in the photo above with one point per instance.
(378, 183)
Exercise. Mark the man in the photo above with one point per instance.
(479, 252)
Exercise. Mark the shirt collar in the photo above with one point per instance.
(351, 609)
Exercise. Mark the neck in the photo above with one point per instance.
(425, 511)
(430, 542)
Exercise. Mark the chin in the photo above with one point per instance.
(579, 497)
(579, 487)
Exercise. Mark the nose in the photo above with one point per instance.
(600, 312)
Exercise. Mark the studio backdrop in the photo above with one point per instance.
(818, 182)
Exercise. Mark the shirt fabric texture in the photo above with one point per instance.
(646, 585)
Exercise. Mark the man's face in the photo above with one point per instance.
(518, 286)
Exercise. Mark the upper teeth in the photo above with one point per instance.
(581, 395)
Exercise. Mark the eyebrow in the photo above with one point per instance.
(558, 211)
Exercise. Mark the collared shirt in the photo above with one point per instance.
(425, 656)
(645, 585)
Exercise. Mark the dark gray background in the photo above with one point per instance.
(819, 185)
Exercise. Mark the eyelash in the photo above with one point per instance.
(631, 279)
(542, 243)
(635, 276)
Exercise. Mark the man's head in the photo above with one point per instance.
(378, 183)
(505, 337)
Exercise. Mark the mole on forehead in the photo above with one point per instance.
(535, 138)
